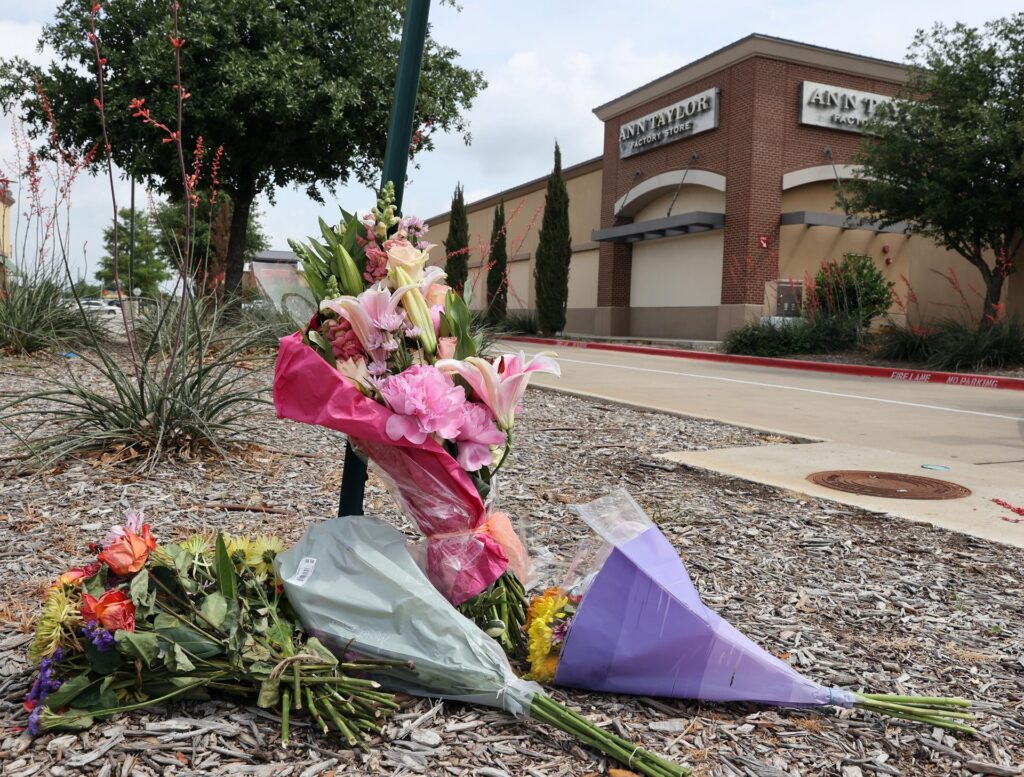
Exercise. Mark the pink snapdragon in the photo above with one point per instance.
(344, 343)
(500, 384)
(425, 402)
(477, 434)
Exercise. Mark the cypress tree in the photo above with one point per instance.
(456, 246)
(551, 273)
(497, 283)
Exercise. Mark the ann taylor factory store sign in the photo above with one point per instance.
(675, 122)
(837, 108)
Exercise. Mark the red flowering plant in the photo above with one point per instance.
(145, 623)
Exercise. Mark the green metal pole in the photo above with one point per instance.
(410, 63)
(396, 160)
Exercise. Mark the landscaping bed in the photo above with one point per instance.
(849, 597)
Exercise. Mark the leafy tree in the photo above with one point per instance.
(497, 282)
(146, 270)
(456, 245)
(210, 223)
(296, 93)
(554, 250)
(946, 158)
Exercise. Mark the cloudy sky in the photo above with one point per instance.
(548, 64)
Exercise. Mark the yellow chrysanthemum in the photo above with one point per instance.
(198, 545)
(261, 552)
(57, 623)
(543, 612)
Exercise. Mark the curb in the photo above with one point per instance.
(862, 370)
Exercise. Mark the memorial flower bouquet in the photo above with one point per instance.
(392, 361)
(145, 623)
(628, 619)
(355, 586)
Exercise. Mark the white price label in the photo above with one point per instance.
(303, 571)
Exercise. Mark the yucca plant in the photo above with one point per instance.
(182, 381)
(200, 397)
(38, 312)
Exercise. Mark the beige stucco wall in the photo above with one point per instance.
(523, 214)
(917, 263)
(679, 271)
(690, 198)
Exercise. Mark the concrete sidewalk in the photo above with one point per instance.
(787, 466)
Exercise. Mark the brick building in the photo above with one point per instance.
(715, 197)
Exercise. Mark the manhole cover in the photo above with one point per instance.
(893, 485)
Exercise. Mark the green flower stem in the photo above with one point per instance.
(645, 762)
(937, 712)
(314, 711)
(286, 706)
(139, 705)
(296, 675)
(939, 701)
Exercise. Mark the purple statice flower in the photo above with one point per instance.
(33, 721)
(101, 639)
(45, 683)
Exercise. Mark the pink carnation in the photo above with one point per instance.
(476, 435)
(425, 402)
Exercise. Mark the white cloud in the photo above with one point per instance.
(549, 63)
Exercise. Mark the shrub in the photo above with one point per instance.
(38, 312)
(960, 345)
(955, 344)
(904, 344)
(824, 334)
(196, 395)
(852, 287)
(523, 322)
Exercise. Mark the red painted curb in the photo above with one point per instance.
(863, 370)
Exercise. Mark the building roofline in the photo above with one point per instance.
(568, 173)
(754, 45)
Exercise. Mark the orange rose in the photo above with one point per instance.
(113, 611)
(79, 574)
(127, 555)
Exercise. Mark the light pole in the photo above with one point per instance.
(396, 160)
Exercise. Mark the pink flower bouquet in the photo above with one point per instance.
(390, 360)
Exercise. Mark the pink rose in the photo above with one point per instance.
(446, 347)
(476, 436)
(425, 402)
(436, 294)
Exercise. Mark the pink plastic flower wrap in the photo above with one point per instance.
(468, 548)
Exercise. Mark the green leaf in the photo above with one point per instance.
(270, 692)
(215, 609)
(138, 644)
(316, 647)
(68, 692)
(97, 584)
(190, 640)
(177, 661)
(280, 635)
(140, 591)
(72, 720)
(102, 661)
(227, 584)
(99, 696)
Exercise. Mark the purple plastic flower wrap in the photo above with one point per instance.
(642, 628)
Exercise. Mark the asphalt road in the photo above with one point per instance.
(938, 423)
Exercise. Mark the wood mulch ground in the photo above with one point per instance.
(848, 597)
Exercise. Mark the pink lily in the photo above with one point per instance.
(371, 316)
(500, 384)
